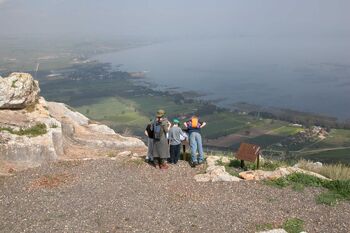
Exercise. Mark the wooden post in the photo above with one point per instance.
(258, 162)
(184, 152)
(242, 163)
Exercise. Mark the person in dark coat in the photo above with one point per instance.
(160, 128)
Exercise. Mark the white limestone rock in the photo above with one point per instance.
(18, 90)
(215, 173)
(274, 231)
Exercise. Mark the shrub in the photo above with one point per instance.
(266, 165)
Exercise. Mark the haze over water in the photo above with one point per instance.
(294, 54)
(307, 74)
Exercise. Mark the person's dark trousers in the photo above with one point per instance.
(175, 153)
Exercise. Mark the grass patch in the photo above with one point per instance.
(264, 227)
(36, 130)
(54, 126)
(293, 225)
(265, 165)
(111, 154)
(338, 190)
(328, 198)
(13, 85)
(332, 171)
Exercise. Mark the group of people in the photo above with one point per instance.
(165, 138)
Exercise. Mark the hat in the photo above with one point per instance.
(160, 113)
(176, 121)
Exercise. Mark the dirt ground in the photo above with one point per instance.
(130, 196)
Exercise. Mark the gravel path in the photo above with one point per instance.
(127, 196)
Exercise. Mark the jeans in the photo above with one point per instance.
(150, 149)
(174, 153)
(196, 144)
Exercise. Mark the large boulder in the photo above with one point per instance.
(18, 91)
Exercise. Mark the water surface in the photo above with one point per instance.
(306, 74)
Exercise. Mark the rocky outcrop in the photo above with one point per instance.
(80, 134)
(18, 91)
(50, 131)
(214, 172)
(278, 173)
(21, 143)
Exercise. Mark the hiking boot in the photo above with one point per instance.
(200, 162)
(164, 166)
(194, 164)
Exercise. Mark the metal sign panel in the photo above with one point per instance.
(248, 152)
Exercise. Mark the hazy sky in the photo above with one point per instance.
(176, 17)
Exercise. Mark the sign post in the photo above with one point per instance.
(249, 152)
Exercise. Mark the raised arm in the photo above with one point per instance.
(169, 125)
(203, 124)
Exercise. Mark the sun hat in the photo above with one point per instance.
(160, 113)
(176, 121)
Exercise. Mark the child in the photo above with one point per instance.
(176, 135)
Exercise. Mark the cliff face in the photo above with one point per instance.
(33, 130)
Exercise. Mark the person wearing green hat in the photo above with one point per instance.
(160, 128)
(176, 136)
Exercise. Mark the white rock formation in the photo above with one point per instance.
(215, 173)
(69, 134)
(18, 91)
(279, 172)
(274, 231)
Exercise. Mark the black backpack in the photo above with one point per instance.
(157, 130)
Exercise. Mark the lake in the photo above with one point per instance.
(305, 74)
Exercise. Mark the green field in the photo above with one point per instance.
(331, 156)
(119, 113)
(223, 123)
(286, 130)
(150, 104)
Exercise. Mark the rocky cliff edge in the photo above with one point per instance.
(34, 131)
